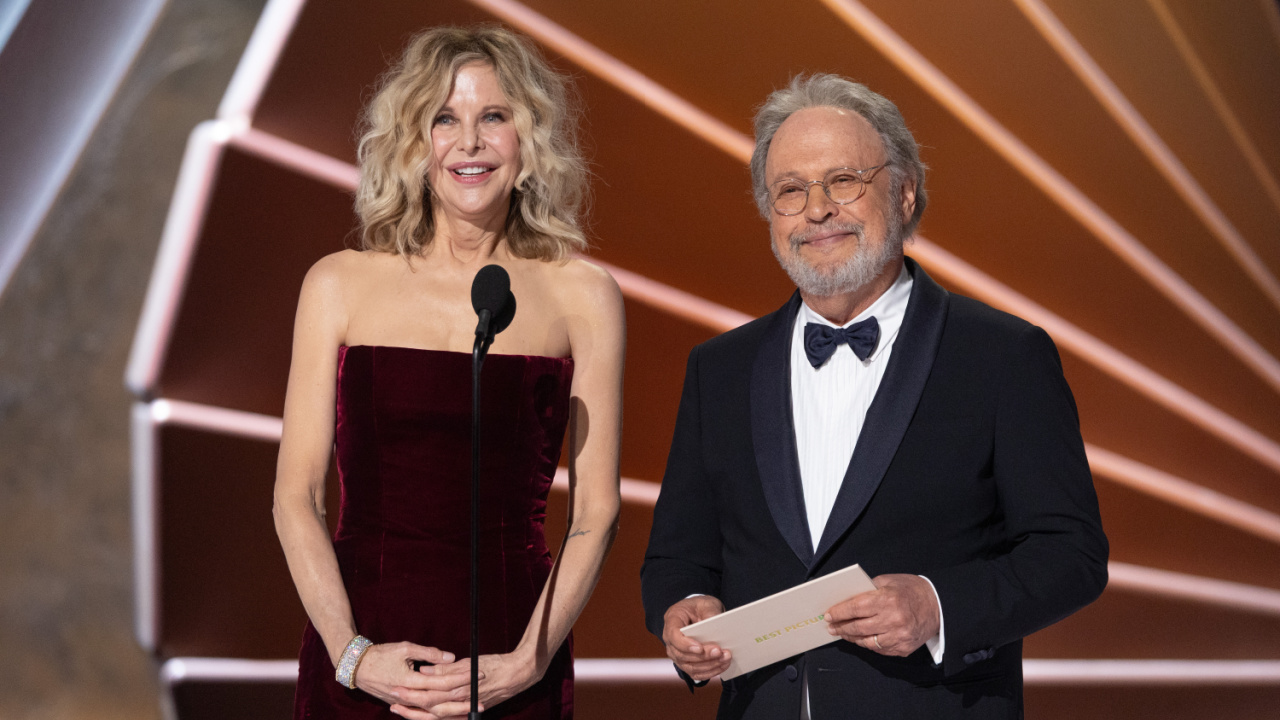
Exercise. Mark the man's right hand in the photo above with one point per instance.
(700, 662)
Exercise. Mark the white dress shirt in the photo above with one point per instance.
(829, 405)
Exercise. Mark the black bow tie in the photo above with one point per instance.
(820, 341)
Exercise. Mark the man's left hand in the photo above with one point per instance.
(894, 619)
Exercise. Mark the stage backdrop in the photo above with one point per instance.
(1106, 170)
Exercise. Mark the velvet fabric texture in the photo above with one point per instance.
(403, 445)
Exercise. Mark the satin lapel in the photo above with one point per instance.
(773, 432)
(892, 407)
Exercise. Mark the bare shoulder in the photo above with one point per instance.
(346, 270)
(330, 284)
(332, 271)
(583, 285)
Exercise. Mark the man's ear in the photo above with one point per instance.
(908, 197)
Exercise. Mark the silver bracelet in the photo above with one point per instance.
(346, 674)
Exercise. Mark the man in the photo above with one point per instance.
(874, 419)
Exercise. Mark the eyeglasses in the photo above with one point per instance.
(789, 196)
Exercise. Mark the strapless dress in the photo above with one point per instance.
(403, 450)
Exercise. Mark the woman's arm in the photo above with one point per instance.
(305, 447)
(597, 336)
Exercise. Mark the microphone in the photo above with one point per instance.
(496, 306)
(493, 302)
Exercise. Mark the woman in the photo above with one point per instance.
(469, 159)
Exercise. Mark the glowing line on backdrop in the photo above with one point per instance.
(946, 265)
(718, 317)
(237, 108)
(1184, 494)
(620, 75)
(274, 27)
(1181, 586)
(684, 305)
(641, 492)
(267, 428)
(1219, 102)
(238, 423)
(1146, 138)
(1177, 290)
(298, 158)
(701, 124)
(224, 421)
(1163, 392)
(1036, 672)
(144, 510)
(1150, 672)
(191, 195)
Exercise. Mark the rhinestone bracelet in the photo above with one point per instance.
(346, 673)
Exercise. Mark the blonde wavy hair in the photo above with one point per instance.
(393, 199)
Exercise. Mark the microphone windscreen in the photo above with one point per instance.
(503, 319)
(490, 289)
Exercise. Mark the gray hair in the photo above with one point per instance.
(825, 90)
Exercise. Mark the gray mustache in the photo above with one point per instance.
(800, 237)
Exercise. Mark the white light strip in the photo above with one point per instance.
(313, 164)
(299, 159)
(1219, 102)
(620, 75)
(986, 288)
(1187, 495)
(1181, 586)
(146, 559)
(191, 198)
(1151, 672)
(1151, 145)
(673, 301)
(202, 669)
(1169, 395)
(626, 670)
(259, 61)
(267, 428)
(1133, 577)
(1178, 291)
(603, 671)
(720, 318)
(219, 420)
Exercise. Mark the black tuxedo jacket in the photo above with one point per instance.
(970, 470)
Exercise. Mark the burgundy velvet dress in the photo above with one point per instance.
(403, 446)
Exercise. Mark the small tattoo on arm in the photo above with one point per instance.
(576, 533)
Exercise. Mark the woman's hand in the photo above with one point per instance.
(435, 691)
(501, 677)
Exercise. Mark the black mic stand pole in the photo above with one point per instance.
(478, 351)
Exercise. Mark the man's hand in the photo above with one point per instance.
(700, 662)
(894, 619)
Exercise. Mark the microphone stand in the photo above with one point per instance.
(484, 338)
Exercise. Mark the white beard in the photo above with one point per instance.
(865, 265)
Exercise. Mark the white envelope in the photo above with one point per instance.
(781, 625)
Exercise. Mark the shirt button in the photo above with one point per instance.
(792, 673)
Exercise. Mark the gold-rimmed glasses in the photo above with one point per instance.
(789, 196)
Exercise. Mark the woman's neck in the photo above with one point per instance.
(465, 242)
